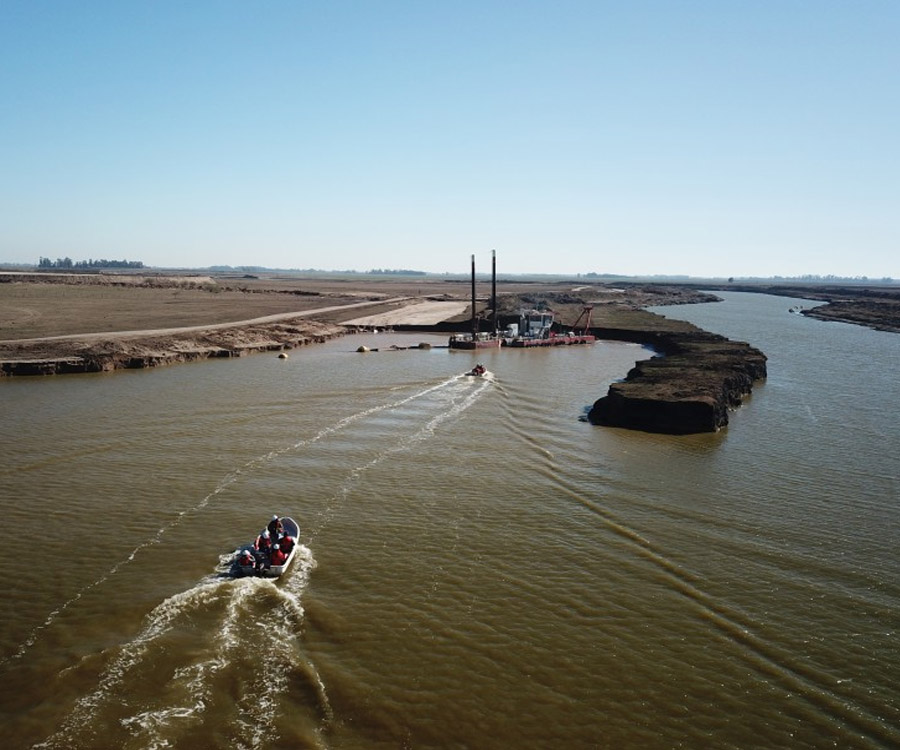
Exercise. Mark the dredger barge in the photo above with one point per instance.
(535, 327)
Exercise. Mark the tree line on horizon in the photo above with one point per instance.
(99, 263)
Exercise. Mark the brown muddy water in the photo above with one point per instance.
(480, 568)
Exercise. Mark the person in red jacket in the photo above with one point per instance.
(263, 542)
(277, 557)
(286, 544)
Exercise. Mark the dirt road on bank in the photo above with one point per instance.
(180, 330)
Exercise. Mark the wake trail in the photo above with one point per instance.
(817, 686)
(191, 690)
(253, 639)
(457, 407)
(227, 481)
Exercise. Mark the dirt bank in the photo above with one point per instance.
(99, 353)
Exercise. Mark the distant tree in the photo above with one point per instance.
(396, 272)
(101, 263)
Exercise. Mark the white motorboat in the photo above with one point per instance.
(264, 566)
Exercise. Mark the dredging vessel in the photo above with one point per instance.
(535, 327)
(478, 339)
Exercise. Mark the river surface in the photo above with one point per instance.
(479, 567)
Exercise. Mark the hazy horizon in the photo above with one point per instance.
(481, 274)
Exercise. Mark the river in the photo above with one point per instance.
(479, 568)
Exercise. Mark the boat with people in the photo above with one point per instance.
(478, 371)
(267, 555)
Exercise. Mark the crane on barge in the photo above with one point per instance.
(586, 312)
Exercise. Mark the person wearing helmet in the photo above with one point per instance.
(277, 557)
(263, 542)
(246, 559)
(275, 527)
(287, 544)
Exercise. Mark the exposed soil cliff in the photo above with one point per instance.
(114, 353)
(689, 389)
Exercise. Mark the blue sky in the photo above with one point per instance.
(714, 138)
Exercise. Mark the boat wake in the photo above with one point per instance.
(226, 652)
(452, 397)
(819, 687)
(239, 473)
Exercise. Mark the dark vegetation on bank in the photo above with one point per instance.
(691, 388)
(701, 375)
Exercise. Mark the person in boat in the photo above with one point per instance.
(277, 557)
(247, 559)
(478, 369)
(263, 542)
(275, 528)
(287, 544)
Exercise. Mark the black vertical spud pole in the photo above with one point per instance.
(494, 288)
(474, 323)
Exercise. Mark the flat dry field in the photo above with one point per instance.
(67, 304)
(32, 310)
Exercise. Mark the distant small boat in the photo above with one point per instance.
(477, 372)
